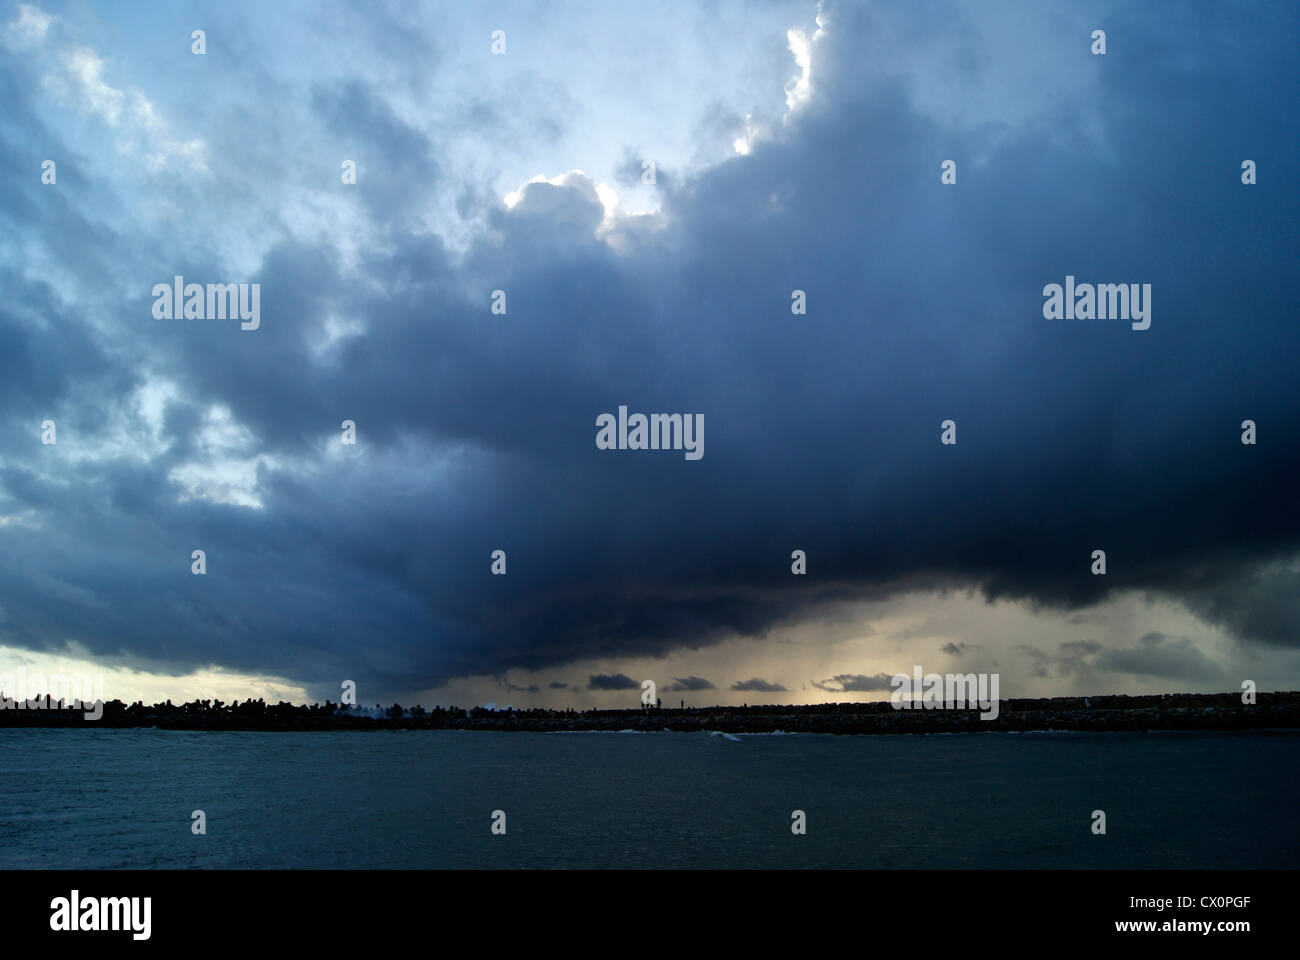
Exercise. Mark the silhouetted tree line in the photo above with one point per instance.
(45, 711)
(1118, 712)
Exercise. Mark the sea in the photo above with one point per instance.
(446, 799)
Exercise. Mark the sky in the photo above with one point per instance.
(794, 147)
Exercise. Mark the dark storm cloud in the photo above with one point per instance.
(1154, 655)
(1157, 655)
(954, 649)
(758, 685)
(1074, 658)
(617, 681)
(516, 688)
(691, 684)
(476, 432)
(855, 682)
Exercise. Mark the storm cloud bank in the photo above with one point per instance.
(476, 431)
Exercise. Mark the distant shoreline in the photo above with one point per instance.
(1112, 713)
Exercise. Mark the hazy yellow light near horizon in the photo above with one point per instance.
(128, 685)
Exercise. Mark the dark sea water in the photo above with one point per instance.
(418, 799)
